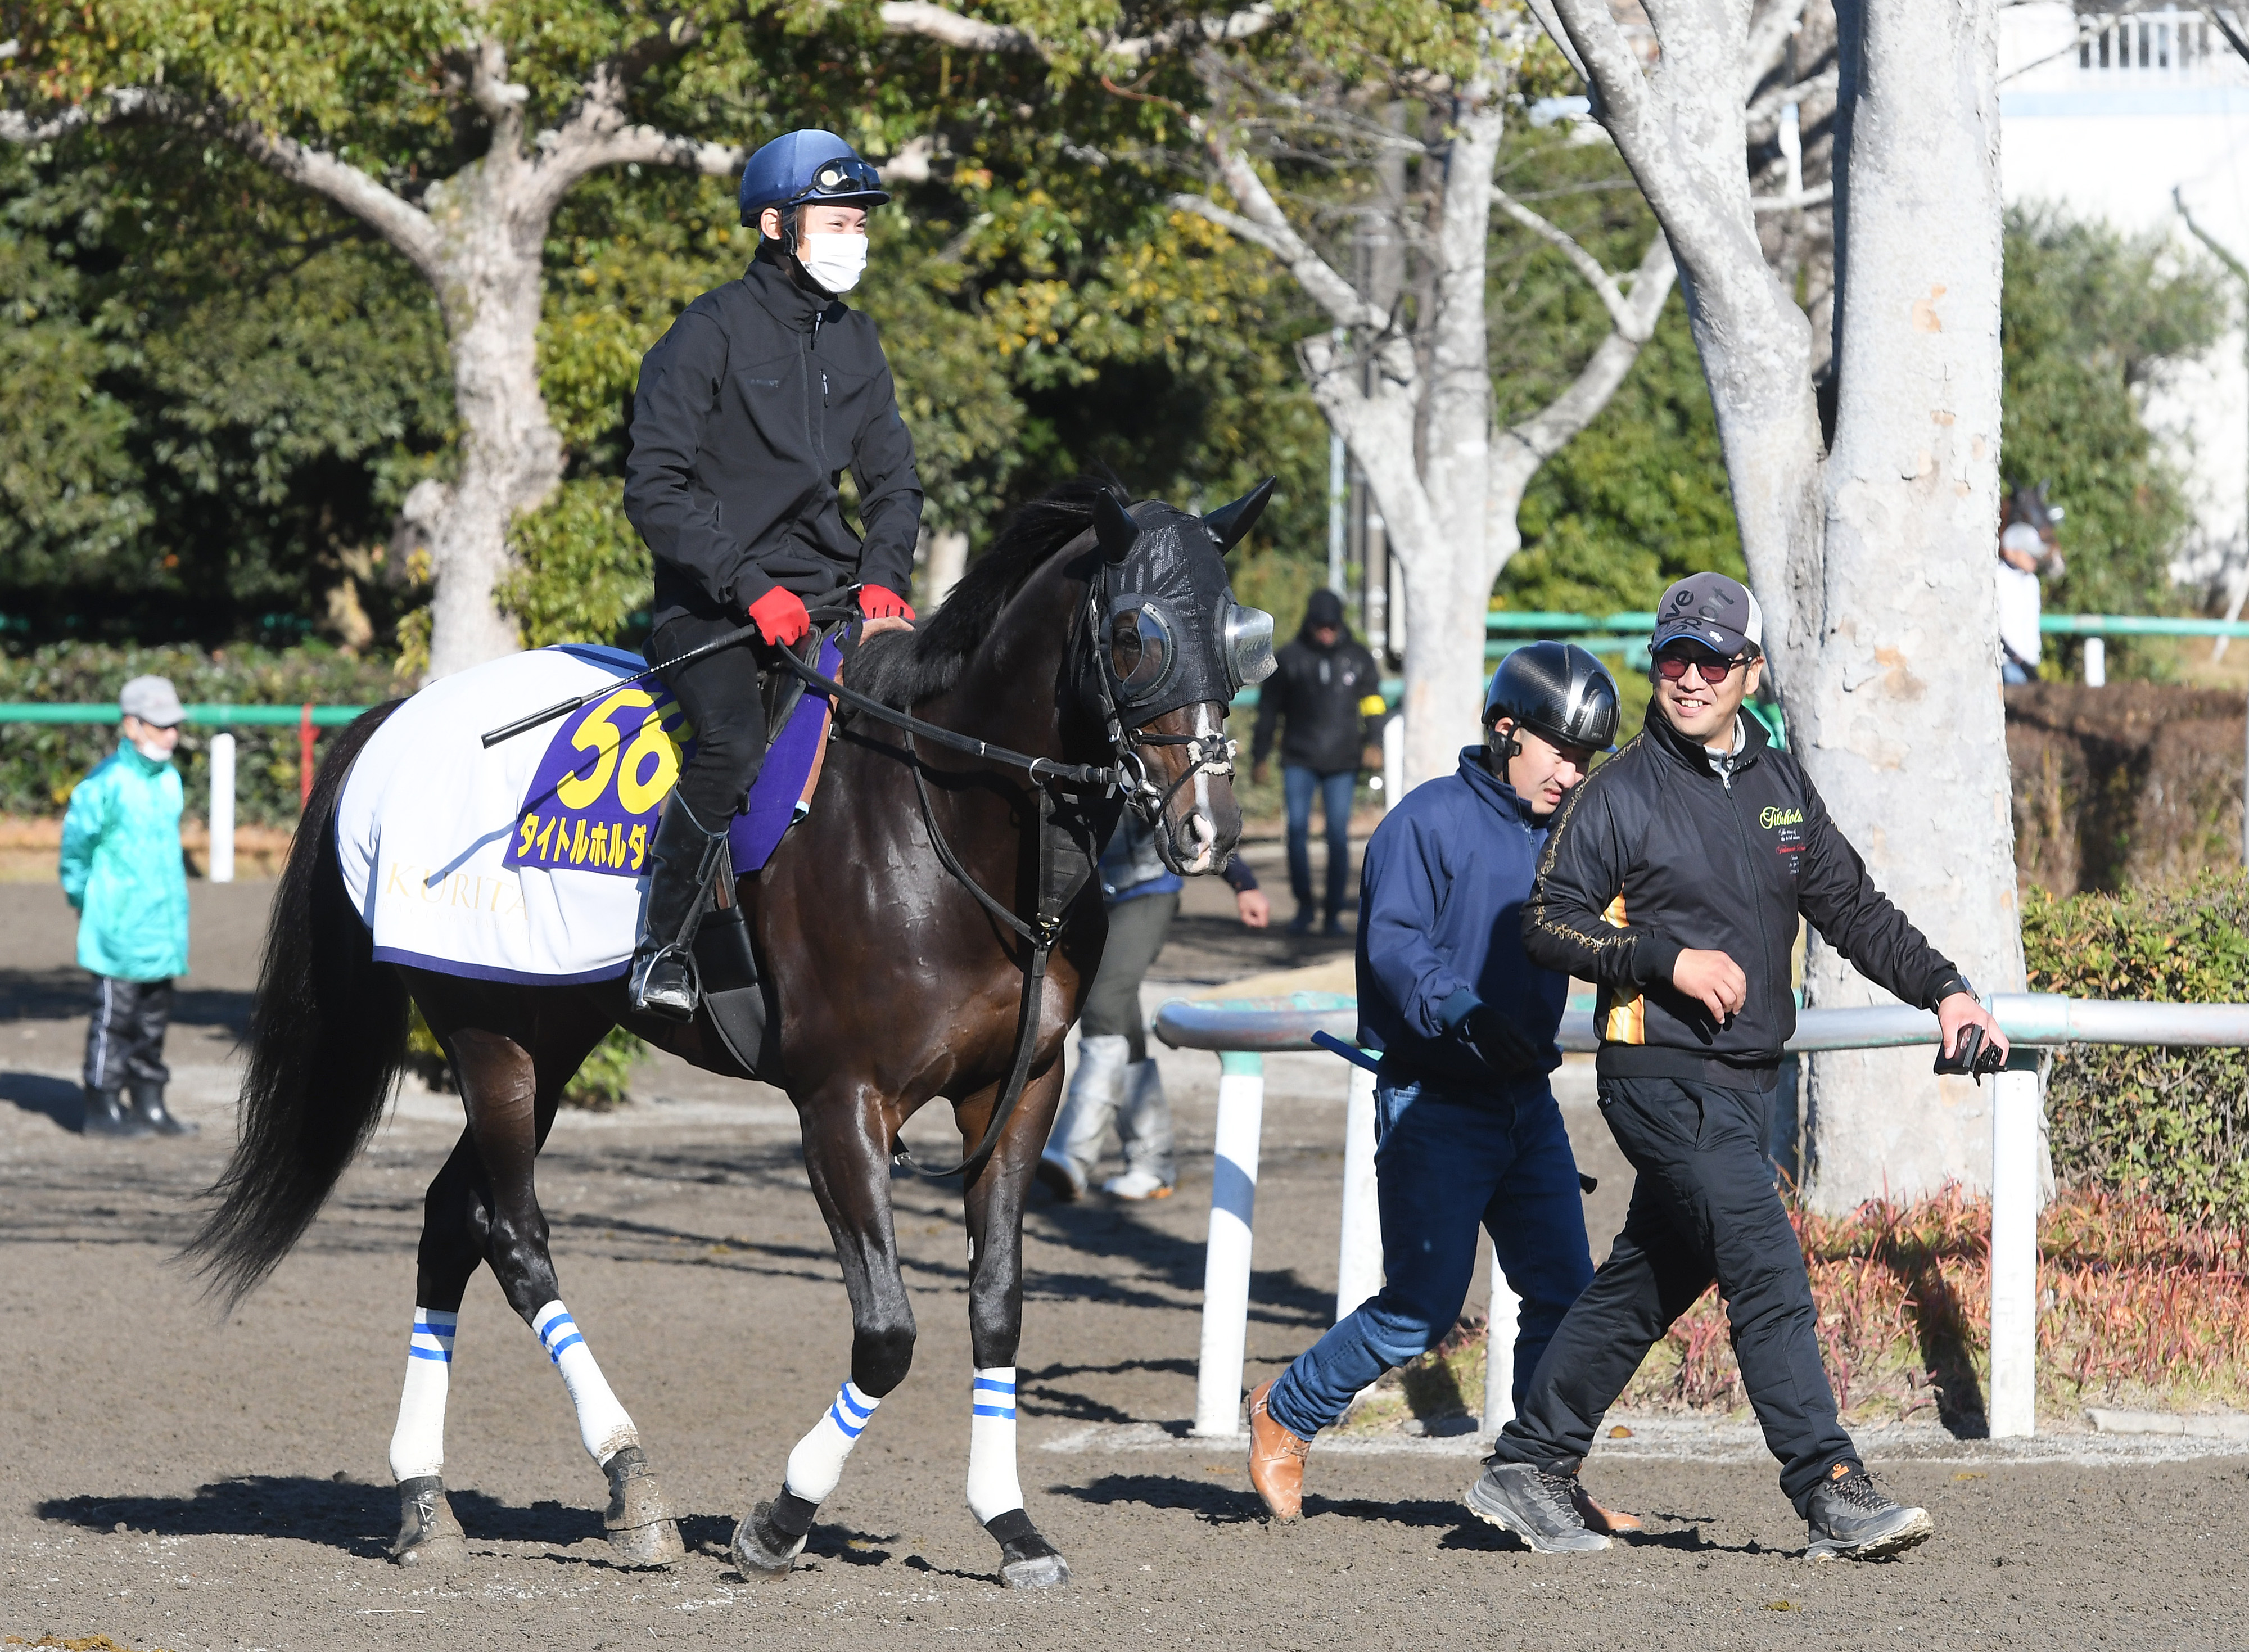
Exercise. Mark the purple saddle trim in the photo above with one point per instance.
(758, 831)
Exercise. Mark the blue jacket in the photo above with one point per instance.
(121, 869)
(1440, 925)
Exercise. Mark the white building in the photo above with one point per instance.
(2125, 115)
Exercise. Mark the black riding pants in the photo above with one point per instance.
(721, 694)
(124, 1038)
(1703, 1208)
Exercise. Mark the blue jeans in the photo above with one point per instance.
(1449, 1160)
(1297, 785)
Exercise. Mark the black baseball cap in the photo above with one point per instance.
(1711, 610)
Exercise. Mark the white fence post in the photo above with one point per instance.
(1226, 1266)
(222, 809)
(2096, 663)
(1499, 1352)
(2013, 1404)
(1358, 1265)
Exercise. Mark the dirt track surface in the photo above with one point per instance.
(245, 1459)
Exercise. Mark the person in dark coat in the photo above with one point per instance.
(1468, 1136)
(1327, 693)
(747, 413)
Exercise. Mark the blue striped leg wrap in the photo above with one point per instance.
(990, 1397)
(433, 1335)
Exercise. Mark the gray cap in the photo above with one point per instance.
(153, 700)
(1711, 610)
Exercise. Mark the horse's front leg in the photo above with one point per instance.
(994, 1211)
(846, 1158)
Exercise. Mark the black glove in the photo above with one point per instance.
(1499, 1045)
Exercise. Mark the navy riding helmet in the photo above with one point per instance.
(1556, 690)
(808, 165)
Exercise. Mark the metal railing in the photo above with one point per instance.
(1243, 1031)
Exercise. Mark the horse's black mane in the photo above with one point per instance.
(903, 669)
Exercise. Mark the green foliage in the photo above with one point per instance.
(1638, 500)
(582, 574)
(2089, 318)
(602, 1081)
(2169, 1124)
(40, 762)
(215, 392)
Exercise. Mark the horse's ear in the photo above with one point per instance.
(1114, 528)
(1229, 524)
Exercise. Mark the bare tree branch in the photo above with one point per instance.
(947, 27)
(1818, 195)
(1273, 232)
(500, 99)
(1612, 297)
(929, 22)
(1761, 116)
(1767, 46)
(1545, 432)
(1544, 11)
(404, 226)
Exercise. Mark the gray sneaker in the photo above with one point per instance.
(1849, 1519)
(1536, 1506)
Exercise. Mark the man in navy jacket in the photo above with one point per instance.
(1468, 1133)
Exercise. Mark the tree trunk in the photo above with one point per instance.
(1901, 721)
(511, 453)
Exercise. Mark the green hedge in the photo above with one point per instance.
(40, 762)
(2170, 1124)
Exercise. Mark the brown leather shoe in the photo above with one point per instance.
(1610, 1521)
(1276, 1459)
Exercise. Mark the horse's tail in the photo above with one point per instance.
(327, 1038)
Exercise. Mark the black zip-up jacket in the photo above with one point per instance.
(1660, 850)
(747, 413)
(1322, 695)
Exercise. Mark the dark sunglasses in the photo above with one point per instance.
(1673, 667)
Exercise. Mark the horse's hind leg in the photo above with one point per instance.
(846, 1158)
(511, 1100)
(453, 1220)
(995, 1212)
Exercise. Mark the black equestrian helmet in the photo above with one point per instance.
(1556, 690)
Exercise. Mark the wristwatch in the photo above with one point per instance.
(1955, 982)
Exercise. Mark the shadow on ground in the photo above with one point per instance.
(57, 1099)
(67, 995)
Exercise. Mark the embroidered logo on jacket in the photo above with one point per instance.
(1773, 816)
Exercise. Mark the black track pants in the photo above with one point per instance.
(125, 1040)
(720, 694)
(1703, 1208)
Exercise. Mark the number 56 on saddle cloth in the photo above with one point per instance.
(524, 863)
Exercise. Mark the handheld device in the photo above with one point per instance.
(1970, 1057)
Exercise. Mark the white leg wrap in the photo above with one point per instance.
(417, 1445)
(992, 1488)
(602, 1424)
(817, 1463)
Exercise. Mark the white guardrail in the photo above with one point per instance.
(1243, 1031)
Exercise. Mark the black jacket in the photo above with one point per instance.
(1323, 693)
(1657, 851)
(747, 412)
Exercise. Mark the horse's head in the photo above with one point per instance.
(1174, 648)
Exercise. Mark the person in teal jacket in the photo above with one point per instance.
(122, 870)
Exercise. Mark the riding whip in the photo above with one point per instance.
(563, 708)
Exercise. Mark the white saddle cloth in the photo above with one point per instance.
(480, 863)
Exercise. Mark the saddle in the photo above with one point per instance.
(739, 1008)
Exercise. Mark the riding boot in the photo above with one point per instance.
(148, 1107)
(106, 1115)
(681, 865)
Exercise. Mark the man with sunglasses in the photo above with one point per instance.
(747, 413)
(1469, 1137)
(1674, 879)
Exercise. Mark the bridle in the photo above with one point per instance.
(1209, 753)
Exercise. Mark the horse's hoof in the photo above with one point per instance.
(1027, 1561)
(429, 1536)
(762, 1550)
(639, 1522)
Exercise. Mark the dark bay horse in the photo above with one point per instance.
(1087, 635)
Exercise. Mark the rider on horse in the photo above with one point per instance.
(747, 414)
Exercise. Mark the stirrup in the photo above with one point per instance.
(648, 996)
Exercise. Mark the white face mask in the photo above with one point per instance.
(834, 261)
(154, 751)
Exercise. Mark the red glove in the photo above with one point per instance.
(781, 616)
(878, 603)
